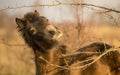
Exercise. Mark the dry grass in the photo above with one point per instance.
(102, 33)
(17, 59)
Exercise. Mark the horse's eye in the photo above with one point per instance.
(33, 30)
(52, 32)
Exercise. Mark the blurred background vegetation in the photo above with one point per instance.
(81, 25)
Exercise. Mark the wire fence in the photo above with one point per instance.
(105, 10)
(80, 6)
(60, 3)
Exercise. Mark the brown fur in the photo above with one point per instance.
(43, 37)
(110, 61)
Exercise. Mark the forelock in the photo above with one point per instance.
(30, 16)
(33, 17)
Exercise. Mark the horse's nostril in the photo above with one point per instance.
(32, 31)
(52, 32)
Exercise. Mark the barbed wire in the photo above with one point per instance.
(58, 3)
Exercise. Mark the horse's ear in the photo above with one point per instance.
(20, 22)
(36, 12)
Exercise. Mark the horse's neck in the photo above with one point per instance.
(42, 60)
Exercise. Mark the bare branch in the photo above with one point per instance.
(60, 3)
(84, 66)
(62, 67)
(105, 8)
(25, 6)
(76, 53)
(112, 18)
(86, 60)
(100, 56)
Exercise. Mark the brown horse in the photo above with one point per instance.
(109, 62)
(43, 38)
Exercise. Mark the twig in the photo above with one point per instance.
(105, 8)
(76, 53)
(80, 62)
(62, 67)
(100, 56)
(112, 18)
(60, 3)
(84, 66)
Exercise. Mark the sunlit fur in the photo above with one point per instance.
(43, 37)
